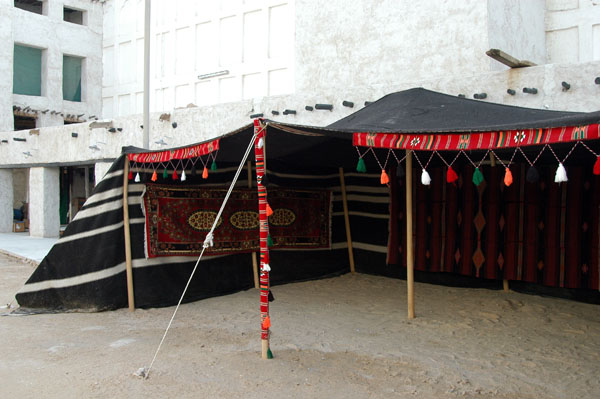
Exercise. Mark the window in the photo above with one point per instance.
(30, 5)
(23, 122)
(72, 15)
(72, 78)
(27, 71)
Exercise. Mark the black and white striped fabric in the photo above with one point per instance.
(85, 270)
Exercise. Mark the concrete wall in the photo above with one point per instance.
(44, 218)
(517, 28)
(6, 200)
(57, 38)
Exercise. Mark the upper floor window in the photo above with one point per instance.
(27, 70)
(30, 5)
(74, 16)
(72, 78)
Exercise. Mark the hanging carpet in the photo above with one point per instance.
(178, 219)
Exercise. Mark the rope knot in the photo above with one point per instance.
(208, 241)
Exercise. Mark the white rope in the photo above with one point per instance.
(208, 241)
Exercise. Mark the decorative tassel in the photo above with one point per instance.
(477, 177)
(533, 176)
(561, 174)
(269, 241)
(130, 175)
(597, 166)
(451, 175)
(137, 177)
(269, 353)
(425, 178)
(165, 174)
(266, 323)
(175, 175)
(213, 166)
(384, 179)
(399, 171)
(154, 176)
(508, 179)
(271, 297)
(361, 166)
(269, 210)
(261, 142)
(183, 176)
(205, 173)
(266, 267)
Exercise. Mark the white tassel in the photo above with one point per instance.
(137, 177)
(425, 178)
(260, 143)
(266, 268)
(183, 177)
(561, 174)
(208, 241)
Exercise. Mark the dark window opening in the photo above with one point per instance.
(70, 122)
(27, 71)
(72, 15)
(30, 5)
(24, 122)
(72, 78)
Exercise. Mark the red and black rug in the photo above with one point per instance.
(178, 219)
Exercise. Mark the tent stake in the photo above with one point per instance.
(130, 298)
(347, 221)
(410, 278)
(254, 260)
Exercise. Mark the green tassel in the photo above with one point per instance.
(477, 177)
(269, 353)
(269, 241)
(213, 166)
(360, 166)
(165, 174)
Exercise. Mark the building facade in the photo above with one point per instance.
(214, 64)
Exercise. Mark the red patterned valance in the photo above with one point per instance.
(477, 141)
(181, 153)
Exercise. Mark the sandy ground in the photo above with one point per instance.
(345, 337)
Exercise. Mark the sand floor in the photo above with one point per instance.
(344, 337)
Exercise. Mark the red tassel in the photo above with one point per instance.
(385, 179)
(205, 173)
(266, 323)
(154, 176)
(269, 210)
(175, 177)
(130, 175)
(451, 175)
(508, 179)
(597, 166)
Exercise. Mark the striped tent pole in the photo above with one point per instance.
(265, 321)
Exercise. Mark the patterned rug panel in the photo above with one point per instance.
(178, 219)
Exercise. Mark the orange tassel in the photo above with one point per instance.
(154, 176)
(205, 173)
(508, 179)
(451, 175)
(266, 324)
(269, 210)
(385, 179)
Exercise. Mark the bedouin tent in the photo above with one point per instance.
(470, 219)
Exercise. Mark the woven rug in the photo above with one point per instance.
(178, 219)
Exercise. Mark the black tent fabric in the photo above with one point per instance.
(423, 111)
(86, 268)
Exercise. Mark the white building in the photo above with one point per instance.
(215, 63)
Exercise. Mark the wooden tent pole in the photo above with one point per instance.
(410, 277)
(129, 269)
(254, 260)
(347, 221)
(493, 164)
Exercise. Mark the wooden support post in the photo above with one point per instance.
(505, 285)
(493, 163)
(347, 221)
(254, 260)
(265, 348)
(129, 269)
(410, 259)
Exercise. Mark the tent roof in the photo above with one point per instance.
(423, 111)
